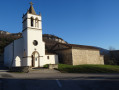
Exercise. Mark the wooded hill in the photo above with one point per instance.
(110, 57)
(7, 38)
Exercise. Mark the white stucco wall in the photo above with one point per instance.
(53, 59)
(18, 52)
(13, 54)
(8, 55)
(30, 34)
(30, 48)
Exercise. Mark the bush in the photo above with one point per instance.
(46, 66)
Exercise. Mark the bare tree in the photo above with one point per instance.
(111, 48)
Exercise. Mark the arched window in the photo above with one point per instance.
(31, 22)
(36, 22)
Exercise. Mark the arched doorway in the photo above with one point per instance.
(17, 61)
(35, 59)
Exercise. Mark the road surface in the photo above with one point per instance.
(54, 80)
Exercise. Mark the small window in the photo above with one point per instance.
(35, 42)
(48, 57)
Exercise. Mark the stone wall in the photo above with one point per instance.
(86, 56)
(102, 59)
(65, 56)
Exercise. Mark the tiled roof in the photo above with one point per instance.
(79, 46)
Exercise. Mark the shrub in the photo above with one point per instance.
(46, 66)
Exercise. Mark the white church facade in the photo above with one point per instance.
(30, 49)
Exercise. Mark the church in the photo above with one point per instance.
(34, 49)
(29, 50)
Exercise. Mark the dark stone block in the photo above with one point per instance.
(20, 69)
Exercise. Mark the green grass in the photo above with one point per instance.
(88, 68)
(46, 66)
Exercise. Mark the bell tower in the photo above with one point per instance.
(32, 34)
(31, 19)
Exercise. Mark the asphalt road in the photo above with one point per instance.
(54, 80)
(36, 84)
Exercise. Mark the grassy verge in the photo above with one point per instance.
(88, 68)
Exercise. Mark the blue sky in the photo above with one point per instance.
(84, 22)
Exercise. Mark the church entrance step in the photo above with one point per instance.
(44, 70)
(38, 68)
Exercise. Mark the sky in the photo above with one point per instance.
(83, 22)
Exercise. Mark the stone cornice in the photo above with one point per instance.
(31, 28)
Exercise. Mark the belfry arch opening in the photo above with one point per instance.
(36, 22)
(32, 22)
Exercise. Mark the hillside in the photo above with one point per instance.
(50, 40)
(6, 38)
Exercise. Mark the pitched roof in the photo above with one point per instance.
(31, 9)
(49, 52)
(69, 46)
(83, 46)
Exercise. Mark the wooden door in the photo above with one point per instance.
(33, 61)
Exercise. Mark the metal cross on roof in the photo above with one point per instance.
(31, 3)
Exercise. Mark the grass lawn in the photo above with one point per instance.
(88, 68)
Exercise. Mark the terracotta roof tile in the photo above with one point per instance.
(80, 46)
